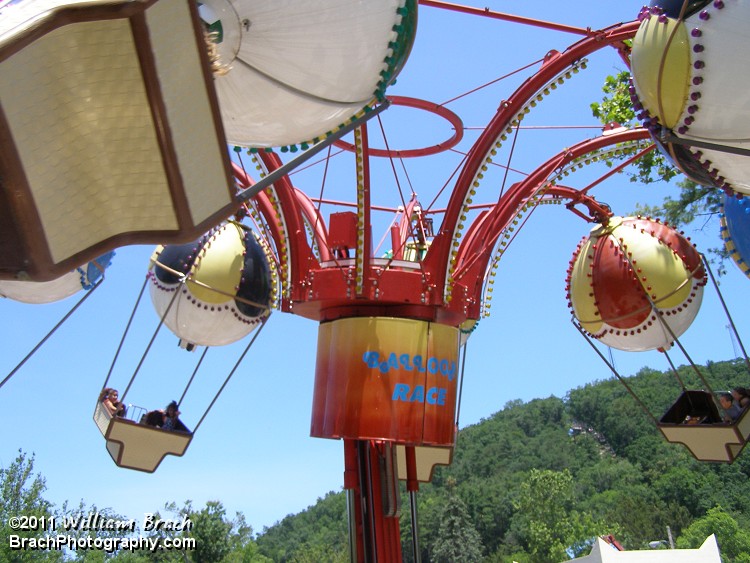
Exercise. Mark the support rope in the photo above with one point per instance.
(153, 337)
(200, 361)
(231, 373)
(663, 322)
(125, 333)
(726, 311)
(51, 332)
(614, 371)
(675, 372)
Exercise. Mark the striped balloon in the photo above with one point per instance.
(735, 230)
(635, 284)
(223, 285)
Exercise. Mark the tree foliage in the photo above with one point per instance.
(217, 538)
(534, 482)
(734, 541)
(693, 201)
(458, 540)
(540, 480)
(21, 494)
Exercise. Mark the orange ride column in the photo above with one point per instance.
(379, 382)
(384, 378)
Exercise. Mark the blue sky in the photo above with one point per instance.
(253, 452)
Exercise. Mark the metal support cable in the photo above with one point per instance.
(153, 338)
(662, 321)
(726, 311)
(312, 151)
(51, 332)
(125, 332)
(674, 371)
(614, 371)
(200, 361)
(231, 373)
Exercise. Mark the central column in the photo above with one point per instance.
(383, 382)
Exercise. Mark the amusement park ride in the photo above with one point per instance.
(136, 101)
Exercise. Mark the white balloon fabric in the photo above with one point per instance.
(296, 71)
(689, 78)
(227, 288)
(38, 293)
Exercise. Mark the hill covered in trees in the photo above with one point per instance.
(537, 481)
(534, 483)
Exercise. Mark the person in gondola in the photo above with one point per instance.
(731, 409)
(167, 419)
(171, 418)
(741, 397)
(109, 398)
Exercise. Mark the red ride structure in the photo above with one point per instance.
(392, 324)
(388, 365)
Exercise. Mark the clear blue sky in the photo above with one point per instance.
(253, 452)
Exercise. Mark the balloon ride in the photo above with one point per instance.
(242, 229)
(634, 277)
(636, 284)
(265, 73)
(213, 291)
(735, 230)
(84, 277)
(689, 91)
(210, 292)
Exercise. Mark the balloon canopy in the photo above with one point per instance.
(688, 81)
(735, 230)
(635, 284)
(69, 284)
(293, 72)
(111, 132)
(224, 286)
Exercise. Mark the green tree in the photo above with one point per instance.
(458, 540)
(217, 538)
(550, 525)
(733, 540)
(617, 107)
(617, 469)
(317, 553)
(322, 526)
(81, 511)
(693, 200)
(21, 496)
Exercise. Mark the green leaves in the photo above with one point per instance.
(733, 540)
(458, 540)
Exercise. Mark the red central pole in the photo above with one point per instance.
(373, 514)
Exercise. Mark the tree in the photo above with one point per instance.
(617, 107)
(21, 496)
(458, 540)
(322, 527)
(617, 475)
(217, 538)
(733, 540)
(550, 525)
(693, 201)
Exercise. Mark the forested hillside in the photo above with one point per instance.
(536, 481)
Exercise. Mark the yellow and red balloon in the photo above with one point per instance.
(635, 284)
